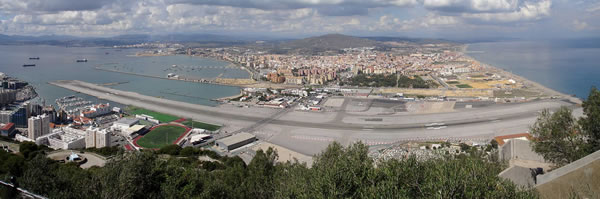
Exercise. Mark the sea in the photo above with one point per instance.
(568, 67)
(59, 63)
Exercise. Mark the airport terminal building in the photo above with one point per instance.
(235, 141)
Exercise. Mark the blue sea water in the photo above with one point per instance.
(58, 63)
(568, 67)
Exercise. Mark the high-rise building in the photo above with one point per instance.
(97, 138)
(38, 126)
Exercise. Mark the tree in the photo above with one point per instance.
(28, 149)
(494, 144)
(557, 137)
(171, 149)
(261, 175)
(590, 124)
(188, 151)
(341, 172)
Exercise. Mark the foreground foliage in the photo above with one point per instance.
(561, 138)
(339, 172)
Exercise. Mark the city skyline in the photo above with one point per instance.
(454, 19)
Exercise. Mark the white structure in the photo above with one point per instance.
(133, 131)
(97, 138)
(124, 124)
(96, 110)
(63, 138)
(198, 138)
(38, 126)
(235, 141)
(147, 118)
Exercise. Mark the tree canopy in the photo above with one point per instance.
(338, 172)
(561, 138)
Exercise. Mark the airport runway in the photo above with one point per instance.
(348, 122)
(310, 132)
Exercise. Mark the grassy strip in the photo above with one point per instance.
(464, 86)
(202, 125)
(165, 118)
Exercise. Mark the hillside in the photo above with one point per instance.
(329, 42)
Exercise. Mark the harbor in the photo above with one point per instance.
(72, 104)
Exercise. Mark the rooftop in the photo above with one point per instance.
(5, 127)
(500, 139)
(236, 138)
(128, 121)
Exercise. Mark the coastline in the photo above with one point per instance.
(527, 82)
(230, 97)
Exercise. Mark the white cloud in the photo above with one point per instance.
(527, 12)
(472, 5)
(580, 25)
(594, 8)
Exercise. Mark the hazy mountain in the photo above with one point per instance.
(410, 40)
(329, 42)
(117, 40)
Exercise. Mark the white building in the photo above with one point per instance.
(38, 126)
(63, 138)
(97, 138)
(96, 110)
(124, 124)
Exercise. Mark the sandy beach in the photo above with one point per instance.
(528, 83)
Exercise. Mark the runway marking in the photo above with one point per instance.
(313, 138)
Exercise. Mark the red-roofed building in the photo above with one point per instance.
(7, 130)
(504, 138)
(96, 110)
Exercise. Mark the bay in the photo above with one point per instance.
(570, 68)
(59, 63)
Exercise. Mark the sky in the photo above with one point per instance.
(300, 18)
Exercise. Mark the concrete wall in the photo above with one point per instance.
(519, 149)
(580, 178)
(519, 175)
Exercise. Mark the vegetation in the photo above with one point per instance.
(159, 116)
(415, 82)
(463, 86)
(161, 136)
(339, 172)
(382, 80)
(202, 125)
(561, 138)
(377, 80)
(106, 151)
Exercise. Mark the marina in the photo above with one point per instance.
(72, 104)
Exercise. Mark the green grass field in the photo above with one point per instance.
(161, 136)
(210, 127)
(464, 86)
(159, 116)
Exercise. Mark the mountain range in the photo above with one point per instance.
(328, 42)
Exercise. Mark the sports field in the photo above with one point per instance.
(164, 118)
(202, 125)
(161, 136)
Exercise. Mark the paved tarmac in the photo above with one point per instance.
(310, 132)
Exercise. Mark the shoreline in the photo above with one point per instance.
(526, 82)
(230, 97)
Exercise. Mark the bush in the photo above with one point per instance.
(188, 151)
(172, 149)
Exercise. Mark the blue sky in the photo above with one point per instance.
(299, 18)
